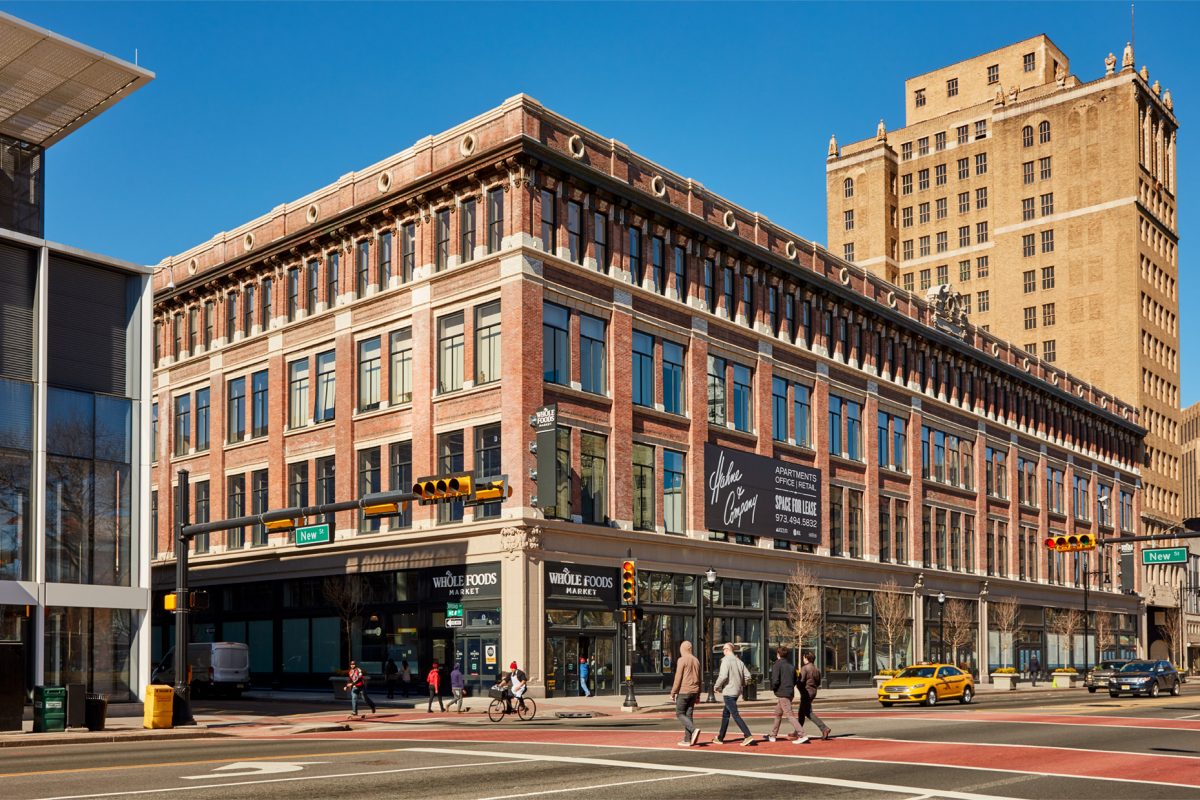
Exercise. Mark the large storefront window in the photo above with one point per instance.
(847, 640)
(89, 646)
(669, 601)
(952, 632)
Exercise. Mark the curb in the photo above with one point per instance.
(105, 737)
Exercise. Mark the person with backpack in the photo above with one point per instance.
(434, 679)
(810, 682)
(732, 678)
(783, 685)
(356, 684)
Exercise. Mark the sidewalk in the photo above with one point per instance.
(123, 723)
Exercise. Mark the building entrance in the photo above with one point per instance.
(574, 661)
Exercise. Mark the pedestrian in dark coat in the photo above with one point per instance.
(810, 682)
(783, 686)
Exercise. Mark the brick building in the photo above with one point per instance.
(410, 319)
(1049, 203)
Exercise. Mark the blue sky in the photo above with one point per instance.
(256, 104)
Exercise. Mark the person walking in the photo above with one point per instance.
(434, 679)
(1035, 668)
(356, 684)
(458, 687)
(685, 692)
(390, 674)
(810, 682)
(732, 678)
(783, 685)
(405, 678)
(583, 677)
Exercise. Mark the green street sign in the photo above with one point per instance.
(1165, 555)
(312, 534)
(454, 610)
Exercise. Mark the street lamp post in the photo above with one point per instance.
(710, 579)
(941, 598)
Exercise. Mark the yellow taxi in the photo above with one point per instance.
(926, 684)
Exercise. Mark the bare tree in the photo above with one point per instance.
(346, 594)
(960, 626)
(1065, 624)
(805, 605)
(892, 610)
(1006, 617)
(1106, 638)
(1168, 631)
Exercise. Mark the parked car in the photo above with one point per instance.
(926, 684)
(1098, 677)
(1145, 677)
(216, 667)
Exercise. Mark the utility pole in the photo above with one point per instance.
(181, 713)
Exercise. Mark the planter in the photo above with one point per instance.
(1004, 681)
(880, 680)
(336, 682)
(1064, 680)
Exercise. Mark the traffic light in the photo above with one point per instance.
(1071, 544)
(461, 487)
(382, 504)
(490, 490)
(285, 525)
(629, 582)
(633, 614)
(197, 599)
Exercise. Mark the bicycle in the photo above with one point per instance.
(526, 708)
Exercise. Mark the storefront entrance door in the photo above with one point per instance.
(565, 657)
(480, 659)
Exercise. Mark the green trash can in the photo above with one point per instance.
(49, 709)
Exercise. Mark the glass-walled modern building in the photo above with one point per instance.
(74, 378)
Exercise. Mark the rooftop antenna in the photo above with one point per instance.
(135, 56)
(1132, 31)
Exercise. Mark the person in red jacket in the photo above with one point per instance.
(434, 679)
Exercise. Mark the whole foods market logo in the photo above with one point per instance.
(464, 585)
(581, 585)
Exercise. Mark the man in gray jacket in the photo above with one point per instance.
(783, 684)
(730, 682)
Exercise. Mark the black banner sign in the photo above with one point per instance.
(757, 496)
(578, 582)
(462, 582)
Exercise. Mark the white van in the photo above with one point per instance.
(217, 667)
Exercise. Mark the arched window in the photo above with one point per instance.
(848, 187)
(1027, 136)
(1043, 131)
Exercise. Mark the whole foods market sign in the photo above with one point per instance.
(758, 496)
(582, 582)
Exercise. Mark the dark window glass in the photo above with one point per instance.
(235, 410)
(235, 497)
(643, 369)
(487, 465)
(495, 219)
(260, 407)
(466, 233)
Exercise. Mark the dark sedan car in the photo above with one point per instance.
(1097, 678)
(1145, 677)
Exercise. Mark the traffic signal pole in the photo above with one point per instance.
(181, 711)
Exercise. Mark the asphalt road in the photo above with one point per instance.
(1093, 749)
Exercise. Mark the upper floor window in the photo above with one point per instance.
(848, 188)
(495, 237)
(383, 259)
(906, 151)
(593, 362)
(1027, 136)
(408, 251)
(635, 255)
(556, 359)
(549, 221)
(962, 134)
(293, 293)
(658, 263)
(362, 267)
(326, 387)
(964, 171)
(369, 370)
(681, 289)
(919, 98)
(1043, 131)
(709, 279)
(952, 87)
(235, 410)
(730, 295)
(400, 349)
(600, 241)
(332, 262)
(993, 74)
(939, 144)
(298, 393)
(260, 406)
(450, 352)
(575, 231)
(202, 419)
(892, 444)
(466, 231)
(716, 390)
(743, 409)
(441, 250)
(995, 464)
(923, 146)
(848, 220)
(312, 286)
(487, 343)
(1029, 62)
(248, 309)
(748, 299)
(183, 424)
(643, 369)
(672, 377)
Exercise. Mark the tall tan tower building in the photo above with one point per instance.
(1049, 204)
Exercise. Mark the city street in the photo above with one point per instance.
(1063, 747)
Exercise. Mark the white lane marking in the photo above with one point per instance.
(959, 743)
(733, 773)
(1076, 723)
(252, 768)
(164, 790)
(596, 786)
(830, 757)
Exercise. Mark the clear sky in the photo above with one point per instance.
(257, 104)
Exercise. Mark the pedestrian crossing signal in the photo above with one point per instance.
(629, 582)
